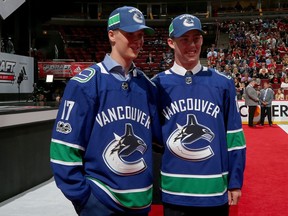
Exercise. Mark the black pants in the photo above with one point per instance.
(174, 210)
(265, 111)
(252, 110)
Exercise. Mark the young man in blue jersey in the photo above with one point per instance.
(101, 147)
(204, 157)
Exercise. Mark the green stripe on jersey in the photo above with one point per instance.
(235, 139)
(194, 185)
(65, 153)
(135, 198)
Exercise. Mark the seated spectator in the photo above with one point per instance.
(150, 58)
(279, 95)
(235, 73)
(246, 79)
(165, 61)
(273, 76)
(238, 88)
(261, 59)
(285, 60)
(245, 68)
(263, 72)
(260, 52)
(253, 64)
(272, 64)
(242, 90)
(211, 53)
(284, 84)
(227, 70)
(278, 59)
(220, 53)
(282, 49)
(170, 54)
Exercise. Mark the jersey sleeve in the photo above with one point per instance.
(236, 143)
(158, 116)
(70, 136)
(156, 125)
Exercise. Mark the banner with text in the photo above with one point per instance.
(16, 73)
(61, 69)
(279, 111)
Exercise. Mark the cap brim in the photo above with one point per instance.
(134, 28)
(179, 34)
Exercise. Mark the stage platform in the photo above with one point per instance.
(45, 200)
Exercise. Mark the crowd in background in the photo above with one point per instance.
(258, 49)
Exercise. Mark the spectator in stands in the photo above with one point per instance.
(212, 53)
(251, 100)
(253, 64)
(220, 53)
(227, 70)
(283, 73)
(164, 62)
(266, 97)
(190, 184)
(272, 64)
(284, 84)
(282, 49)
(250, 51)
(279, 95)
(260, 52)
(285, 59)
(235, 73)
(244, 68)
(170, 54)
(261, 59)
(103, 120)
(246, 79)
(278, 59)
(263, 72)
(268, 58)
(150, 59)
(272, 76)
(239, 88)
(218, 67)
(242, 90)
(271, 42)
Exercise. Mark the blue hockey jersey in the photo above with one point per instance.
(102, 139)
(205, 146)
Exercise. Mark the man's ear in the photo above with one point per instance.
(170, 42)
(111, 35)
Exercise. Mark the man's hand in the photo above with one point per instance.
(234, 196)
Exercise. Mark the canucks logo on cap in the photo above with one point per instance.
(137, 17)
(184, 23)
(188, 21)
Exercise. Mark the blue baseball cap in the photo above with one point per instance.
(128, 19)
(184, 23)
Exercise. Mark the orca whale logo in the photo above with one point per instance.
(137, 17)
(121, 148)
(183, 137)
(188, 21)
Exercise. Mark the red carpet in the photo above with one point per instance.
(265, 190)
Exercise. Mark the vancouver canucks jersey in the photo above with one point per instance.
(204, 142)
(102, 139)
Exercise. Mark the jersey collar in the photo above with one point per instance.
(182, 71)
